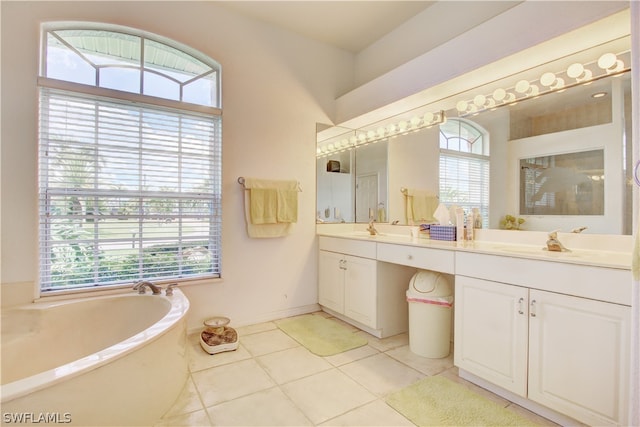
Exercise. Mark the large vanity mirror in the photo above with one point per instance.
(556, 138)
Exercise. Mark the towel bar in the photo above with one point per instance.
(241, 182)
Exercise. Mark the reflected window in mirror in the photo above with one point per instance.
(563, 184)
(464, 166)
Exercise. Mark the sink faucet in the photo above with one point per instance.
(553, 244)
(140, 287)
(372, 229)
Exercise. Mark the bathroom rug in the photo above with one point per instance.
(321, 336)
(438, 401)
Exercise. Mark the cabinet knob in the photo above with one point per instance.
(520, 308)
(409, 257)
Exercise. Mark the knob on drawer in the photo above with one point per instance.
(409, 256)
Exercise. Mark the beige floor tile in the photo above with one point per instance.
(267, 342)
(224, 383)
(197, 418)
(326, 395)
(265, 408)
(385, 344)
(423, 364)
(292, 364)
(254, 329)
(188, 401)
(374, 414)
(200, 359)
(351, 355)
(381, 374)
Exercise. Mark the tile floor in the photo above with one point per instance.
(270, 380)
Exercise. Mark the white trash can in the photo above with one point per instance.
(430, 298)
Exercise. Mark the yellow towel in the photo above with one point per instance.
(264, 206)
(287, 203)
(420, 206)
(271, 207)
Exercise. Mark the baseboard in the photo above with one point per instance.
(269, 317)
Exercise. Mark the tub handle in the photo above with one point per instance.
(169, 291)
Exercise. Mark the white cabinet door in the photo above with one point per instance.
(579, 356)
(491, 332)
(360, 295)
(331, 280)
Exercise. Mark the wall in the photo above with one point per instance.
(276, 86)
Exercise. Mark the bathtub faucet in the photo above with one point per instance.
(140, 287)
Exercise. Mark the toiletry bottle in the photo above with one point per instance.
(459, 224)
(470, 226)
(477, 218)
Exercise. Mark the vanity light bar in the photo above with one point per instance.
(576, 74)
(363, 137)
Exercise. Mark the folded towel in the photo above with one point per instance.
(271, 206)
(287, 206)
(260, 231)
(420, 206)
(263, 206)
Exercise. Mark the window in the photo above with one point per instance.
(130, 160)
(464, 167)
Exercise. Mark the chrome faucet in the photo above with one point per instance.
(142, 284)
(372, 229)
(169, 291)
(553, 244)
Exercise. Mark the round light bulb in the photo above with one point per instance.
(428, 118)
(548, 79)
(522, 86)
(371, 134)
(575, 70)
(380, 131)
(499, 94)
(415, 121)
(462, 106)
(607, 61)
(480, 100)
(403, 126)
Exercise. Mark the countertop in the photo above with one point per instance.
(504, 246)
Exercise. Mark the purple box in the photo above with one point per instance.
(443, 232)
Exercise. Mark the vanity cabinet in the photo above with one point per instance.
(563, 350)
(355, 287)
(347, 286)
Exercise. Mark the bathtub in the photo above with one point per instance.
(109, 360)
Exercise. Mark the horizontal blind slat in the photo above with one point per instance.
(127, 191)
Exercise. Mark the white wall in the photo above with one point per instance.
(275, 87)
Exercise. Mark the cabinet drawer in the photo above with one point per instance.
(348, 246)
(599, 283)
(423, 258)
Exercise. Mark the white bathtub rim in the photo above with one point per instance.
(22, 387)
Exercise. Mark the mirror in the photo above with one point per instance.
(352, 184)
(550, 122)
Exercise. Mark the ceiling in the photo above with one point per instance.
(349, 25)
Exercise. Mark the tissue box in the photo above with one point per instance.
(443, 232)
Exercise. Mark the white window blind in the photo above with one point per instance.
(464, 181)
(128, 191)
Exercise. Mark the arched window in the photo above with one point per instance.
(464, 166)
(130, 158)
